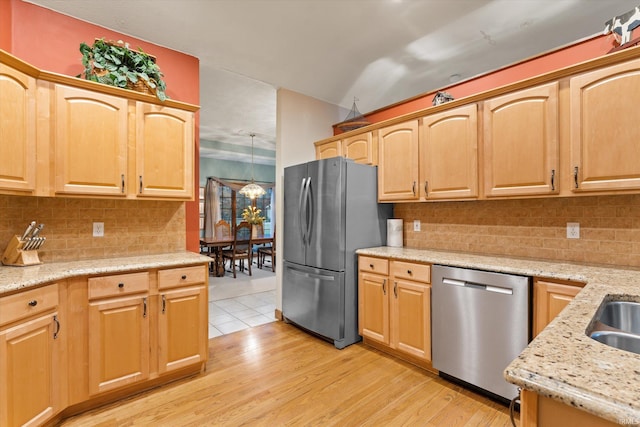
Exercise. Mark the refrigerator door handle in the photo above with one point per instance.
(301, 211)
(310, 216)
(325, 277)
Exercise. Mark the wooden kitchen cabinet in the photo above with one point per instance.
(164, 151)
(182, 334)
(361, 148)
(398, 162)
(328, 150)
(90, 142)
(449, 154)
(604, 128)
(118, 331)
(521, 143)
(394, 303)
(549, 299)
(541, 411)
(31, 367)
(18, 131)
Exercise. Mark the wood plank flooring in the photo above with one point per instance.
(277, 375)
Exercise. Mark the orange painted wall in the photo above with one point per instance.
(50, 41)
(569, 55)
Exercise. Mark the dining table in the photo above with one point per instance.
(215, 246)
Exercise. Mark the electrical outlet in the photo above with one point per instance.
(98, 229)
(573, 230)
(416, 225)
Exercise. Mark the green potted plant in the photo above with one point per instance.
(116, 64)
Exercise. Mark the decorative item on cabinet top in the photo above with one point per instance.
(116, 64)
(441, 97)
(354, 120)
(622, 26)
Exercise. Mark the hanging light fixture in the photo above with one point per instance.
(252, 190)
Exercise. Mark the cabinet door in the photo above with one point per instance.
(359, 148)
(18, 130)
(449, 154)
(398, 162)
(328, 150)
(373, 307)
(604, 128)
(29, 372)
(411, 318)
(521, 143)
(90, 142)
(164, 152)
(549, 300)
(118, 342)
(182, 328)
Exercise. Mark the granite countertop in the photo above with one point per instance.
(562, 362)
(16, 278)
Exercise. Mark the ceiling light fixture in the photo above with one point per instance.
(252, 190)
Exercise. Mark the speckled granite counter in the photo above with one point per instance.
(562, 362)
(16, 278)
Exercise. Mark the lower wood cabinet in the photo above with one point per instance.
(118, 331)
(550, 297)
(31, 365)
(540, 411)
(394, 302)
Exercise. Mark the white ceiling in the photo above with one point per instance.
(380, 51)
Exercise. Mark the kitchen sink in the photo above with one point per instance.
(621, 340)
(617, 324)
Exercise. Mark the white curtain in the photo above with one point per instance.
(211, 207)
(273, 210)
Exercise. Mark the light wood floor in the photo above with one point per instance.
(276, 375)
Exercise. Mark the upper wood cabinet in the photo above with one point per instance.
(521, 143)
(360, 148)
(328, 150)
(604, 128)
(398, 163)
(164, 151)
(18, 130)
(449, 154)
(90, 141)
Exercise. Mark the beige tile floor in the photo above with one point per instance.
(241, 303)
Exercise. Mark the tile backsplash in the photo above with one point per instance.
(532, 228)
(131, 227)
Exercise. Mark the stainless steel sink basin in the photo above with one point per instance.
(622, 315)
(617, 324)
(620, 340)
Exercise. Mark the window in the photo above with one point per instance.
(227, 197)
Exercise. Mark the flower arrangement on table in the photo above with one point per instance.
(251, 214)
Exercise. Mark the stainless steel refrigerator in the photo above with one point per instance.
(330, 210)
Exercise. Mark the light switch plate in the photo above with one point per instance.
(416, 225)
(573, 230)
(98, 229)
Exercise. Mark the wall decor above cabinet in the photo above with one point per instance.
(91, 140)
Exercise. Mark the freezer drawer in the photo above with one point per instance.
(314, 299)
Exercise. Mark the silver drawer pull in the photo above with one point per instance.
(453, 282)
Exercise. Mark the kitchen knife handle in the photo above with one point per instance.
(28, 230)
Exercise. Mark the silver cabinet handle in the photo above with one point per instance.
(553, 179)
(575, 176)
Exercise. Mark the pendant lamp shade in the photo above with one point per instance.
(252, 190)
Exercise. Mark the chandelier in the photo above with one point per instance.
(252, 190)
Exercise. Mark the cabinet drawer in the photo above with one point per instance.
(411, 271)
(182, 276)
(120, 284)
(28, 303)
(373, 265)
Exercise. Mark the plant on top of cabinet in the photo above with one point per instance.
(116, 64)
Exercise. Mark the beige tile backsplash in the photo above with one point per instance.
(132, 227)
(532, 228)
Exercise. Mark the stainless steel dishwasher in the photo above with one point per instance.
(480, 323)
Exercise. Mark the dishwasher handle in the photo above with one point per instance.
(488, 288)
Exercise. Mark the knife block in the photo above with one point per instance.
(14, 255)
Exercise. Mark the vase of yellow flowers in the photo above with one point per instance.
(251, 214)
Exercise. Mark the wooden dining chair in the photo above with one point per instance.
(222, 229)
(240, 249)
(270, 251)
